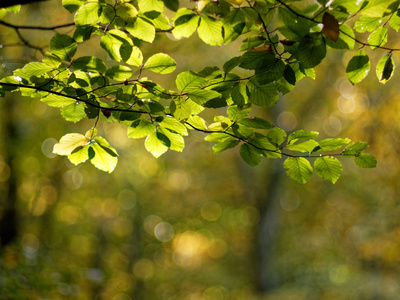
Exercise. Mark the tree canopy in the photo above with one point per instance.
(281, 42)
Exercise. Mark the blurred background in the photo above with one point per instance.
(195, 225)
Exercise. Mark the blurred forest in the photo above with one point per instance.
(195, 225)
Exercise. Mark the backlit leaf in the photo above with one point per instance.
(69, 142)
(250, 154)
(210, 31)
(298, 169)
(358, 67)
(63, 46)
(328, 168)
(385, 68)
(365, 161)
(160, 63)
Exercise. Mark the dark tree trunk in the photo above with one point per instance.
(8, 3)
(8, 197)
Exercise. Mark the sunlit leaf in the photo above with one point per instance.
(157, 144)
(69, 143)
(298, 169)
(210, 31)
(73, 112)
(385, 68)
(79, 156)
(378, 38)
(140, 129)
(358, 67)
(88, 14)
(302, 134)
(119, 73)
(104, 160)
(328, 168)
(160, 63)
(142, 30)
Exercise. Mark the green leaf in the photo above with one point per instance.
(365, 161)
(132, 55)
(231, 64)
(311, 50)
(250, 155)
(196, 122)
(202, 96)
(368, 24)
(69, 142)
(172, 4)
(355, 148)
(276, 136)
(379, 8)
(225, 144)
(307, 146)
(142, 30)
(239, 94)
(51, 60)
(104, 159)
(73, 112)
(88, 14)
(257, 123)
(63, 46)
(289, 75)
(119, 73)
(394, 21)
(271, 72)
(90, 64)
(57, 101)
(83, 33)
(113, 41)
(160, 63)
(79, 156)
(302, 134)
(262, 95)
(33, 69)
(177, 142)
(385, 68)
(378, 38)
(140, 129)
(210, 31)
(174, 125)
(92, 109)
(358, 67)
(151, 5)
(328, 168)
(332, 144)
(127, 12)
(157, 144)
(72, 5)
(189, 81)
(298, 169)
(186, 25)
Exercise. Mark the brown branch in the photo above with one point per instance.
(35, 27)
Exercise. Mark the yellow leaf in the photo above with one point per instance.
(68, 143)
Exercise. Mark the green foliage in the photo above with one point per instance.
(277, 53)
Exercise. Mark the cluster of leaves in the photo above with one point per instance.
(283, 44)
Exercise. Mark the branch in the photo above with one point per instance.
(35, 27)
